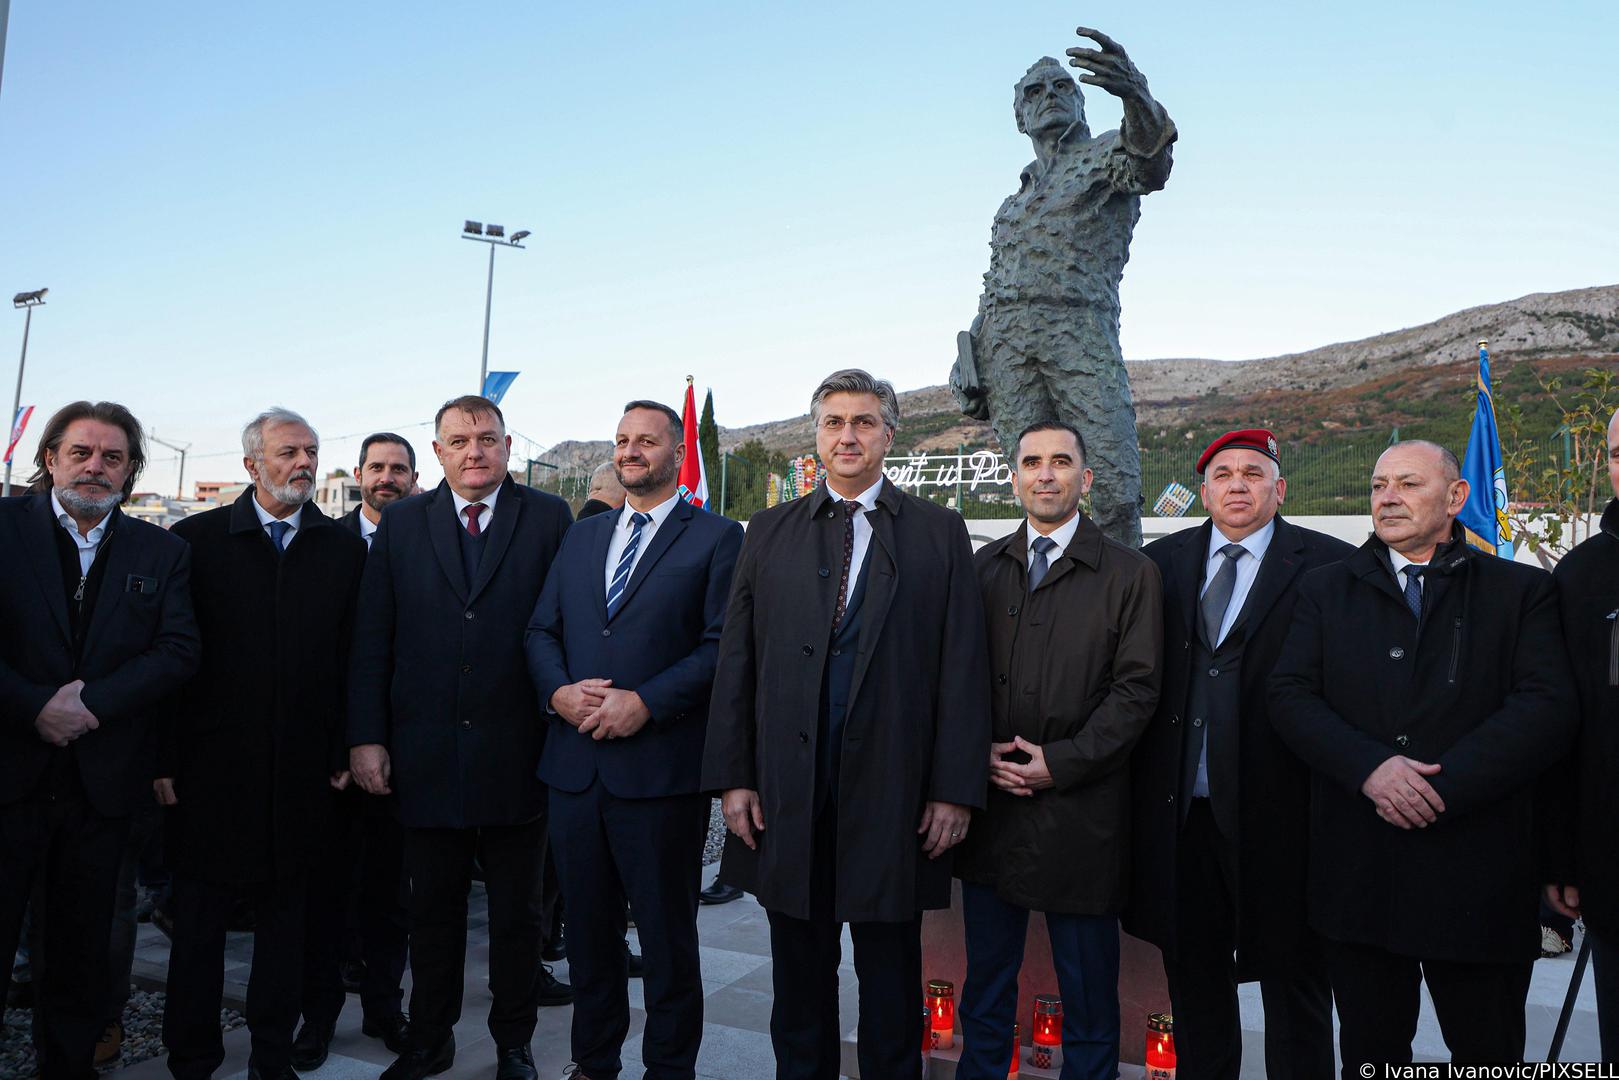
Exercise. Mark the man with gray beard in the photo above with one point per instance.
(98, 631)
(256, 742)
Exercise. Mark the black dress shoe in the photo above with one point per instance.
(516, 1063)
(394, 1030)
(352, 972)
(557, 948)
(416, 1063)
(719, 894)
(553, 991)
(633, 963)
(309, 1048)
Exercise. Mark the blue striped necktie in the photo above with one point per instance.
(621, 573)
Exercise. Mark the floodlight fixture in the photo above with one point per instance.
(520, 235)
(494, 230)
(29, 299)
(475, 228)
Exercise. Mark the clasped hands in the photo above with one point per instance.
(944, 825)
(600, 710)
(1401, 794)
(1019, 778)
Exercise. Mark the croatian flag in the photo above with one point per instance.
(693, 477)
(17, 425)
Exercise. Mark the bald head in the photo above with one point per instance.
(604, 485)
(1417, 491)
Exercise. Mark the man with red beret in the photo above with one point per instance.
(1220, 815)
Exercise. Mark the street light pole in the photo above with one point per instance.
(492, 235)
(27, 301)
(179, 448)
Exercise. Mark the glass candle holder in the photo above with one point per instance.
(1014, 1069)
(1160, 1047)
(1045, 1032)
(941, 1005)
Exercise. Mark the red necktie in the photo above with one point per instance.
(473, 511)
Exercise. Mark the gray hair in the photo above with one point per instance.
(856, 381)
(253, 433)
(602, 472)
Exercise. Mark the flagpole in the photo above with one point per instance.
(16, 401)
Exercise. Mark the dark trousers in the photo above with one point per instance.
(364, 860)
(649, 852)
(1480, 1006)
(440, 863)
(202, 911)
(143, 826)
(72, 854)
(805, 954)
(1203, 975)
(1085, 952)
(1605, 976)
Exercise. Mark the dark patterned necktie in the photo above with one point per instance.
(850, 509)
(1217, 597)
(1042, 547)
(474, 511)
(1413, 589)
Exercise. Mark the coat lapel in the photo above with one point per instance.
(672, 527)
(598, 559)
(441, 528)
(881, 582)
(41, 548)
(120, 556)
(1188, 566)
(501, 529)
(1282, 563)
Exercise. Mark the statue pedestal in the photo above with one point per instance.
(1142, 989)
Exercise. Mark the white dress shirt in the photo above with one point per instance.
(367, 530)
(87, 545)
(1256, 544)
(265, 517)
(484, 515)
(621, 537)
(1400, 562)
(1062, 536)
(862, 530)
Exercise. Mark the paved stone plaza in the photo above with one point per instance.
(736, 980)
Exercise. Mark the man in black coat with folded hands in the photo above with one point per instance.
(442, 712)
(1426, 687)
(257, 743)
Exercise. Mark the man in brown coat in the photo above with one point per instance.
(1076, 646)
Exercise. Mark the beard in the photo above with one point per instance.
(289, 493)
(381, 495)
(652, 480)
(83, 504)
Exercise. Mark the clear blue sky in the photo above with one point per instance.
(243, 205)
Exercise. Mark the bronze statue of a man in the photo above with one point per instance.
(1045, 344)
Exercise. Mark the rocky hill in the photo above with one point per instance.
(1375, 383)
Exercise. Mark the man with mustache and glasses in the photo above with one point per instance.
(1426, 687)
(98, 632)
(256, 742)
(363, 857)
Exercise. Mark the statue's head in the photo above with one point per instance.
(1047, 98)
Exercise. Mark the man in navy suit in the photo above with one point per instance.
(98, 631)
(441, 711)
(622, 648)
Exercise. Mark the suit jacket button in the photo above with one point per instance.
(1003, 680)
(1396, 653)
(466, 723)
(825, 572)
(1171, 798)
(607, 633)
(1214, 673)
(809, 650)
(1197, 721)
(1012, 610)
(1402, 740)
(803, 736)
(469, 614)
(837, 652)
(466, 669)
(1173, 720)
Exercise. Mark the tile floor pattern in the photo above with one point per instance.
(736, 982)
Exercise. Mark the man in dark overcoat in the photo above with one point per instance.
(98, 632)
(1221, 815)
(1425, 686)
(622, 648)
(1584, 834)
(442, 713)
(257, 742)
(1074, 622)
(849, 732)
(362, 862)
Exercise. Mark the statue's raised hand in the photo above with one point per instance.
(1109, 67)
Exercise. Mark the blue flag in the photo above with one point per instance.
(496, 383)
(1484, 518)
